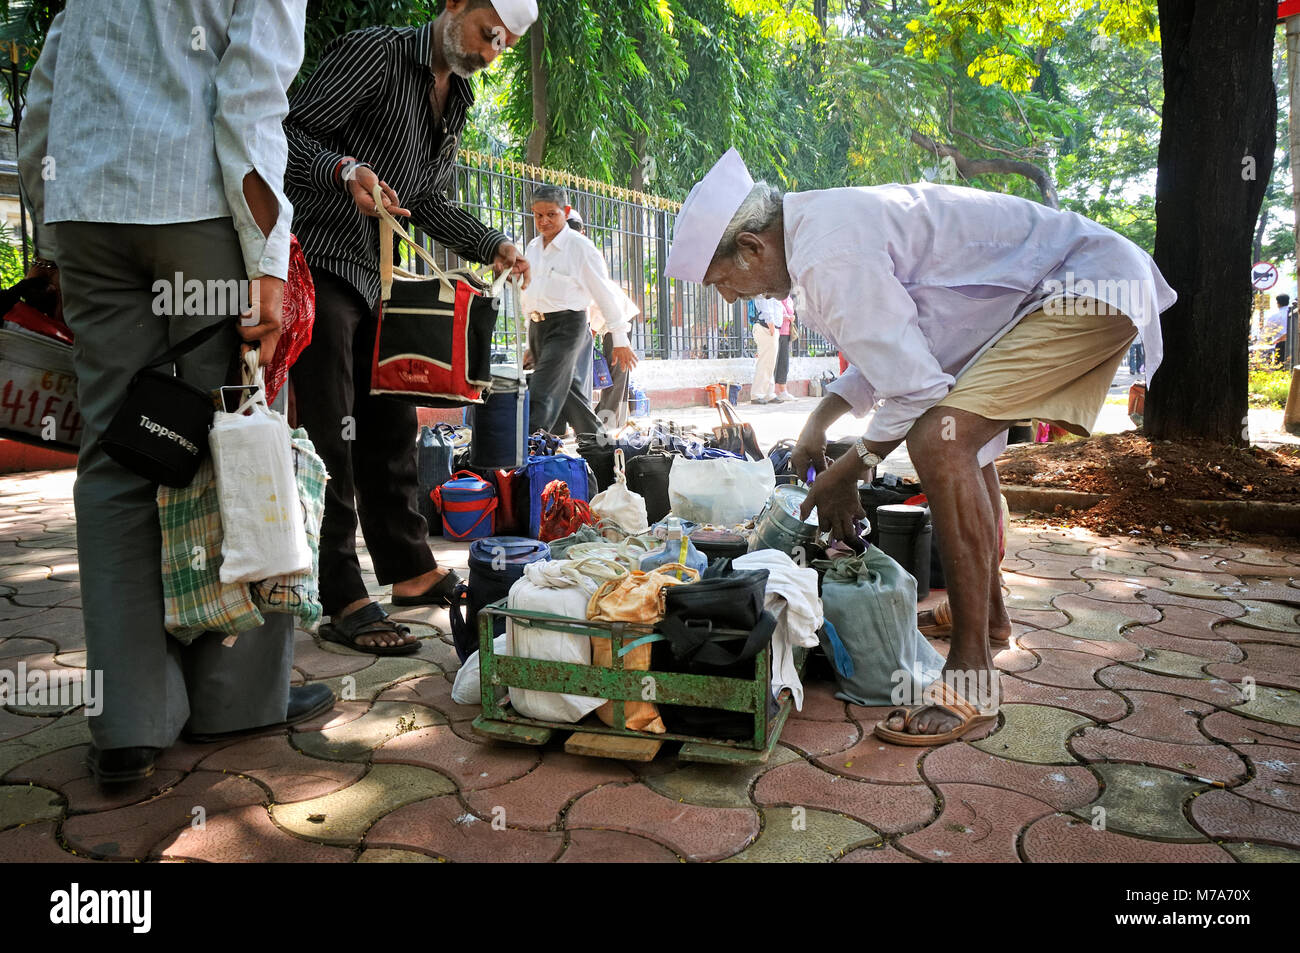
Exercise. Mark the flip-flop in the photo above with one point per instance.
(439, 594)
(941, 695)
(368, 620)
(942, 626)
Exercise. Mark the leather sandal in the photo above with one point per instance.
(939, 694)
(368, 620)
(941, 628)
(439, 594)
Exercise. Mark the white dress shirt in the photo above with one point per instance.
(570, 274)
(770, 310)
(914, 282)
(153, 111)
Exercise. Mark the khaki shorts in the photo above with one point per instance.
(1055, 367)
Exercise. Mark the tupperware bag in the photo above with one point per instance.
(261, 514)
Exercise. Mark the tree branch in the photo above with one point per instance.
(969, 168)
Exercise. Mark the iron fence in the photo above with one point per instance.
(678, 321)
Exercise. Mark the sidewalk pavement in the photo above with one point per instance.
(1152, 713)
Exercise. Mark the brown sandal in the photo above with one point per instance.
(941, 628)
(939, 695)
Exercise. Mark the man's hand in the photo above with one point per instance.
(362, 188)
(809, 451)
(528, 360)
(260, 324)
(508, 259)
(623, 357)
(835, 497)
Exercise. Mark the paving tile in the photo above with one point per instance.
(891, 808)
(693, 832)
(471, 765)
(1052, 639)
(442, 826)
(1164, 718)
(1033, 733)
(35, 844)
(1046, 565)
(978, 824)
(1097, 621)
(1035, 593)
(1268, 664)
(380, 855)
(799, 835)
(1063, 787)
(65, 771)
(64, 732)
(1287, 595)
(287, 773)
(357, 739)
(1224, 608)
(873, 760)
(1109, 564)
(1100, 704)
(1068, 547)
(1231, 632)
(607, 847)
(1190, 560)
(316, 661)
(344, 816)
(21, 647)
(1167, 662)
(342, 713)
(383, 674)
(1204, 762)
(1274, 616)
(1059, 838)
(14, 725)
(1197, 587)
(1124, 591)
(710, 785)
(1036, 618)
(129, 832)
(1259, 556)
(1208, 650)
(1273, 793)
(1213, 690)
(820, 704)
(434, 691)
(536, 800)
(815, 738)
(1262, 854)
(1237, 567)
(246, 835)
(883, 854)
(1225, 816)
(1016, 660)
(1269, 704)
(1236, 730)
(1145, 801)
(1063, 669)
(26, 804)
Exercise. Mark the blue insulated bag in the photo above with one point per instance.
(495, 564)
(435, 448)
(538, 472)
(467, 505)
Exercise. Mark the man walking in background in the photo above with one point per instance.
(385, 107)
(144, 187)
(765, 316)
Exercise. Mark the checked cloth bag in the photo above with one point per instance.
(194, 597)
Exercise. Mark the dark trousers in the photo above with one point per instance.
(553, 395)
(782, 360)
(612, 407)
(368, 445)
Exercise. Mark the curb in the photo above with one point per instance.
(1272, 518)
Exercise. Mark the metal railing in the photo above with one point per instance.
(678, 321)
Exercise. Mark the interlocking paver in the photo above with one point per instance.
(129, 832)
(1287, 595)
(382, 855)
(1063, 787)
(815, 738)
(1225, 815)
(1164, 718)
(345, 815)
(472, 765)
(1209, 762)
(891, 808)
(317, 661)
(1213, 690)
(1231, 632)
(1194, 623)
(820, 704)
(1062, 669)
(1237, 730)
(1167, 662)
(64, 732)
(434, 691)
(357, 739)
(26, 804)
(1270, 704)
(288, 774)
(1201, 587)
(66, 771)
(693, 832)
(1016, 660)
(1053, 639)
(383, 674)
(536, 800)
(885, 854)
(710, 785)
(979, 824)
(1262, 854)
(1209, 650)
(873, 760)
(442, 826)
(799, 835)
(342, 713)
(246, 835)
(13, 725)
(1033, 592)
(1267, 663)
(1047, 565)
(1063, 839)
(1100, 704)
(1274, 616)
(35, 844)
(1033, 733)
(603, 847)
(1144, 801)
(1097, 621)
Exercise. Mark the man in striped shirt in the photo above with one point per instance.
(385, 106)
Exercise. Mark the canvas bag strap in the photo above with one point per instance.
(389, 226)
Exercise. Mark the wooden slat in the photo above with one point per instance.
(620, 747)
(504, 731)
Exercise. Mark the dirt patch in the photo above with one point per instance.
(1143, 480)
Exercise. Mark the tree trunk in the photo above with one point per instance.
(969, 168)
(536, 148)
(1220, 112)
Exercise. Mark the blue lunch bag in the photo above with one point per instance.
(467, 505)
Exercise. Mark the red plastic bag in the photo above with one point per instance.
(561, 514)
(297, 320)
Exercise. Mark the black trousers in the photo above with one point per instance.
(553, 395)
(368, 445)
(782, 360)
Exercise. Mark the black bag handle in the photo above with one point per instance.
(712, 653)
(190, 343)
(698, 642)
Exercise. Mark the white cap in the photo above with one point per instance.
(705, 215)
(573, 216)
(517, 15)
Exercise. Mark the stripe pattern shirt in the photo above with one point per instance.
(371, 98)
(152, 112)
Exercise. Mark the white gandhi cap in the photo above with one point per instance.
(517, 15)
(705, 215)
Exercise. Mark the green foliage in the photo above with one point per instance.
(327, 19)
(1269, 387)
(11, 263)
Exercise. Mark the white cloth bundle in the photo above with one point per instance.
(792, 598)
(620, 505)
(262, 523)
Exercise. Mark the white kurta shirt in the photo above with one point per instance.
(914, 282)
(570, 274)
(770, 311)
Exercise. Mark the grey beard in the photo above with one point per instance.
(461, 62)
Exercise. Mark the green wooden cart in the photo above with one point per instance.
(593, 737)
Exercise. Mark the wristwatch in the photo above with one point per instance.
(868, 458)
